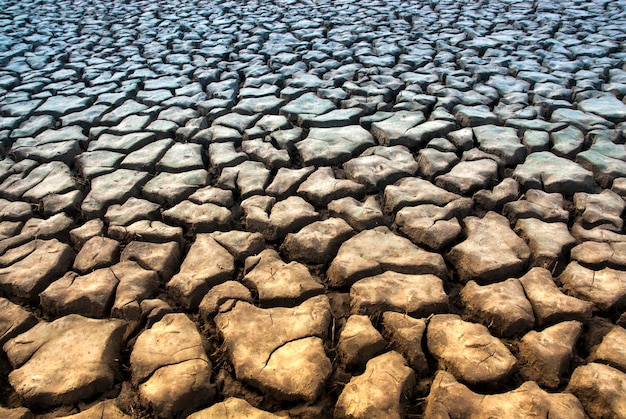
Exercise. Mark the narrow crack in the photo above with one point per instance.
(282, 345)
(169, 365)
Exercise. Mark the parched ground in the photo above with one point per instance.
(319, 209)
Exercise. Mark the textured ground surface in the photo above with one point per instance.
(363, 209)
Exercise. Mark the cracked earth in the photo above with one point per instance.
(347, 209)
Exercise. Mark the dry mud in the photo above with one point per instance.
(348, 209)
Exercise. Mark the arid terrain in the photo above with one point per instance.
(312, 209)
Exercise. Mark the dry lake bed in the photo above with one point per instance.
(312, 209)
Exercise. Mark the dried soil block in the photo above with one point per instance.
(162, 258)
(468, 350)
(279, 283)
(88, 366)
(502, 307)
(113, 188)
(41, 262)
(97, 252)
(491, 252)
(544, 170)
(600, 389)
(598, 255)
(550, 305)
(172, 350)
(277, 219)
(380, 166)
(14, 320)
(405, 335)
(449, 398)
(233, 407)
(318, 242)
(612, 349)
(363, 256)
(545, 356)
(379, 392)
(359, 342)
(220, 294)
(333, 146)
(605, 288)
(417, 295)
(360, 215)
(433, 226)
(549, 243)
(197, 275)
(279, 350)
